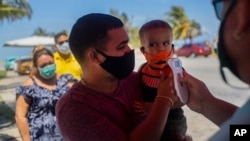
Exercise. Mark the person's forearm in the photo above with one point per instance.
(152, 127)
(23, 128)
(218, 111)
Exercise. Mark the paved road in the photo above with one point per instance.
(205, 69)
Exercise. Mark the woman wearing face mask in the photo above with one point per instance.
(37, 97)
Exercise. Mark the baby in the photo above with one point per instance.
(156, 39)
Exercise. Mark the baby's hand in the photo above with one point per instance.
(178, 104)
(185, 137)
(139, 108)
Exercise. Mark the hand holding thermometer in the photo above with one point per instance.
(181, 88)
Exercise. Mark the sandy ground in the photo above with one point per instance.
(199, 127)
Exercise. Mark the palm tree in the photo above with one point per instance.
(183, 28)
(12, 10)
(42, 32)
(132, 31)
(194, 30)
(122, 16)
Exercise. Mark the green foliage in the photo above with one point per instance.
(183, 27)
(12, 10)
(132, 30)
(134, 37)
(42, 32)
(6, 112)
(3, 74)
(122, 16)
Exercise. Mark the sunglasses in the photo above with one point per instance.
(221, 7)
(60, 43)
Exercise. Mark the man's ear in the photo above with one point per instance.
(92, 55)
(142, 49)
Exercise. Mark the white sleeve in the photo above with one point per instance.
(241, 116)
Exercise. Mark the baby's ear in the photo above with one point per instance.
(173, 46)
(142, 49)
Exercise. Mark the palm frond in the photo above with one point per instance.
(183, 27)
(14, 9)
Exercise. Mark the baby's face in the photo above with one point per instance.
(157, 40)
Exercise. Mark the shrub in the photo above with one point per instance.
(3, 74)
(6, 112)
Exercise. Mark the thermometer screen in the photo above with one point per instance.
(177, 64)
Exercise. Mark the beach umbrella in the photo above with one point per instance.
(31, 41)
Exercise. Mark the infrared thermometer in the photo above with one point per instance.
(181, 89)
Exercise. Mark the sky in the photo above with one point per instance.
(57, 15)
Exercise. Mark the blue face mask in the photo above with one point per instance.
(48, 71)
(64, 48)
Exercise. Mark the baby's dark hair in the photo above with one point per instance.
(39, 52)
(152, 25)
(91, 31)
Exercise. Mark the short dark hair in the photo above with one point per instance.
(152, 25)
(91, 31)
(63, 33)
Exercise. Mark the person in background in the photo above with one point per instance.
(233, 52)
(64, 59)
(100, 106)
(37, 97)
(33, 70)
(156, 39)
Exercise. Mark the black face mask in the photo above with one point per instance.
(120, 67)
(225, 60)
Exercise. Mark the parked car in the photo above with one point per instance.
(23, 65)
(9, 62)
(194, 49)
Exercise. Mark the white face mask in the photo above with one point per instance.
(64, 48)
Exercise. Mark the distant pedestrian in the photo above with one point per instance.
(64, 59)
